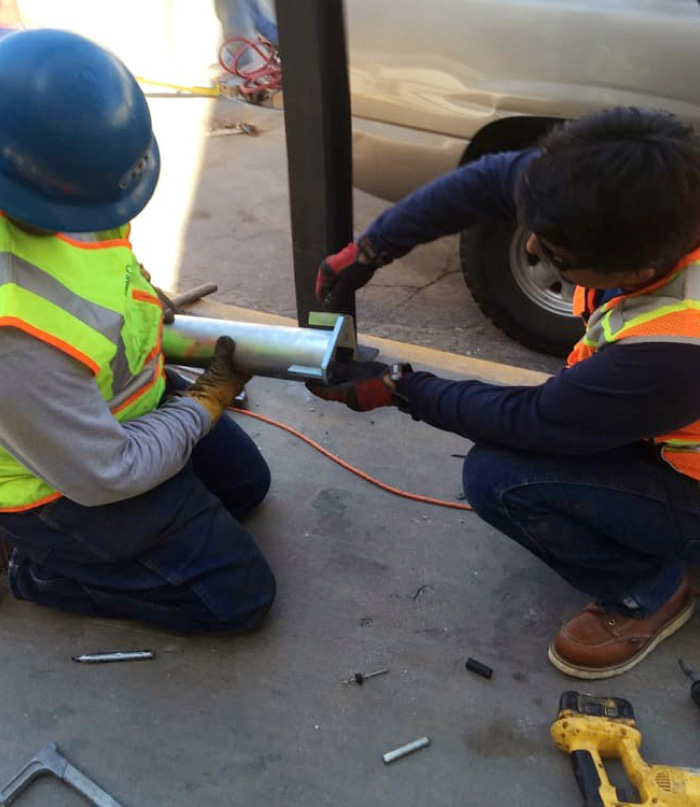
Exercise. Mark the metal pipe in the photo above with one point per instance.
(404, 750)
(276, 351)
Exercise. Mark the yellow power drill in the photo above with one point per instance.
(590, 729)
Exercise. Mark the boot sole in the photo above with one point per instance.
(593, 673)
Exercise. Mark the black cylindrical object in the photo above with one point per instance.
(695, 692)
(477, 667)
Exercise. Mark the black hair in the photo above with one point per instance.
(618, 190)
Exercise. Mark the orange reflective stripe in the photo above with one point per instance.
(685, 462)
(693, 257)
(678, 323)
(50, 498)
(13, 322)
(579, 353)
(115, 242)
(157, 348)
(579, 303)
(145, 296)
(583, 301)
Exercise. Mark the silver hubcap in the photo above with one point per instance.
(540, 282)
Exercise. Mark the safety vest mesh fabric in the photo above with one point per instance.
(84, 295)
(666, 311)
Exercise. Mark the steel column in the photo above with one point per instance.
(319, 142)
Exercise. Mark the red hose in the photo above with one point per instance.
(265, 77)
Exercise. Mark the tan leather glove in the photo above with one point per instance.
(219, 384)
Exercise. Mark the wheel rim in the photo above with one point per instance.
(539, 281)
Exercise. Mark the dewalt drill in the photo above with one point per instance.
(590, 729)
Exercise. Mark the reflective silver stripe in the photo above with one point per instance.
(35, 280)
(86, 238)
(103, 320)
(685, 286)
(616, 319)
(692, 284)
(136, 383)
(120, 367)
(683, 340)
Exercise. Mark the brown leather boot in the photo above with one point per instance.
(595, 644)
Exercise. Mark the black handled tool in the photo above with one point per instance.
(695, 686)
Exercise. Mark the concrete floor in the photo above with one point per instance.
(366, 580)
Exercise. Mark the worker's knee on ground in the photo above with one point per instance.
(482, 470)
(259, 484)
(266, 591)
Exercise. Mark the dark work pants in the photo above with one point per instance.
(618, 526)
(174, 556)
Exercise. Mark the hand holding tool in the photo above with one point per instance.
(220, 383)
(362, 385)
(590, 728)
(340, 275)
(49, 762)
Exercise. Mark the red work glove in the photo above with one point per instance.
(360, 385)
(343, 273)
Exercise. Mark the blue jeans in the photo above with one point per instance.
(174, 556)
(618, 526)
(248, 18)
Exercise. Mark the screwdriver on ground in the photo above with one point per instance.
(695, 686)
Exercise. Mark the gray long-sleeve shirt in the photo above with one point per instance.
(54, 420)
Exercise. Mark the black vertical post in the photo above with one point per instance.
(319, 143)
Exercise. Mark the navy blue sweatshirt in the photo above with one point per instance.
(623, 394)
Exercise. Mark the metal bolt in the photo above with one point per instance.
(360, 678)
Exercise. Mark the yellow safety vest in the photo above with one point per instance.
(86, 296)
(665, 311)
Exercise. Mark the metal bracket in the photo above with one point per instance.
(49, 762)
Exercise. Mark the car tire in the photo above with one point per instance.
(524, 297)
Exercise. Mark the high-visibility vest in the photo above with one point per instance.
(665, 311)
(86, 296)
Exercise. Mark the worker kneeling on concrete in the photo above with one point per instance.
(595, 471)
(119, 496)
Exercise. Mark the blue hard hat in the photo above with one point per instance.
(77, 151)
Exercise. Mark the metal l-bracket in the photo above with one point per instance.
(49, 762)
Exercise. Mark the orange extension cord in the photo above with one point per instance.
(383, 485)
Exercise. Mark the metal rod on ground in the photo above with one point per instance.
(319, 143)
(405, 750)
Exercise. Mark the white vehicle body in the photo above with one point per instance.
(435, 82)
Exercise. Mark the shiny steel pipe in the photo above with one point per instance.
(276, 351)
